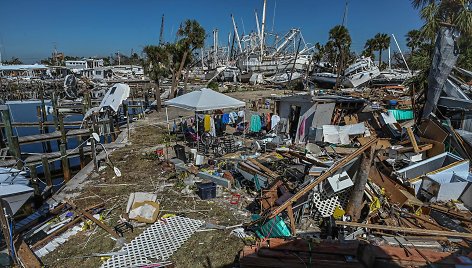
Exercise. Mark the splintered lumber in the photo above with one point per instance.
(456, 214)
(307, 159)
(26, 255)
(411, 135)
(323, 177)
(406, 230)
(264, 168)
(86, 214)
(64, 228)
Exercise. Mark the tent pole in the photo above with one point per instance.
(244, 125)
(168, 130)
(196, 119)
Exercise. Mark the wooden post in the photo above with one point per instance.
(65, 162)
(126, 112)
(34, 179)
(63, 130)
(94, 151)
(47, 171)
(6, 118)
(4, 209)
(354, 206)
(81, 152)
(105, 131)
(112, 128)
(55, 111)
(15, 146)
(44, 129)
(40, 123)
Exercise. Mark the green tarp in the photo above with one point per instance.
(402, 114)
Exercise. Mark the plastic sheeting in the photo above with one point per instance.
(444, 58)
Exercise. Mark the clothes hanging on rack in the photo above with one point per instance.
(212, 127)
(225, 119)
(274, 120)
(256, 124)
(268, 124)
(207, 123)
(233, 117)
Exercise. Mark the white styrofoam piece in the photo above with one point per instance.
(339, 182)
(156, 243)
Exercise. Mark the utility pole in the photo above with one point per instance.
(161, 34)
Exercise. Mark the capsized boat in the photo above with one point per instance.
(360, 72)
(15, 195)
(14, 188)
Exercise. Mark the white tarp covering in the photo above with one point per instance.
(205, 99)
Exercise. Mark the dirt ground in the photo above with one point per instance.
(141, 172)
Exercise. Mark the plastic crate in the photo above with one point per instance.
(206, 190)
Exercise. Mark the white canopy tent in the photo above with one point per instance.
(205, 99)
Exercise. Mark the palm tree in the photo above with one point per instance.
(341, 40)
(156, 66)
(369, 48)
(192, 36)
(382, 41)
(414, 39)
(437, 13)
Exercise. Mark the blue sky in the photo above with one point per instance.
(30, 28)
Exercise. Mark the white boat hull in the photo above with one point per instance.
(15, 195)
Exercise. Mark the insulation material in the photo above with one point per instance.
(156, 243)
(341, 134)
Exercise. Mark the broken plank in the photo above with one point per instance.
(405, 230)
(263, 168)
(96, 221)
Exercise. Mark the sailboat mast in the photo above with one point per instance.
(263, 28)
(403, 57)
(237, 34)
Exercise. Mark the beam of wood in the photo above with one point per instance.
(411, 135)
(323, 177)
(421, 148)
(406, 230)
(26, 255)
(307, 159)
(89, 216)
(264, 168)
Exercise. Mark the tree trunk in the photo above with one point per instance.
(171, 93)
(339, 68)
(354, 206)
(157, 96)
(177, 75)
(380, 58)
(186, 79)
